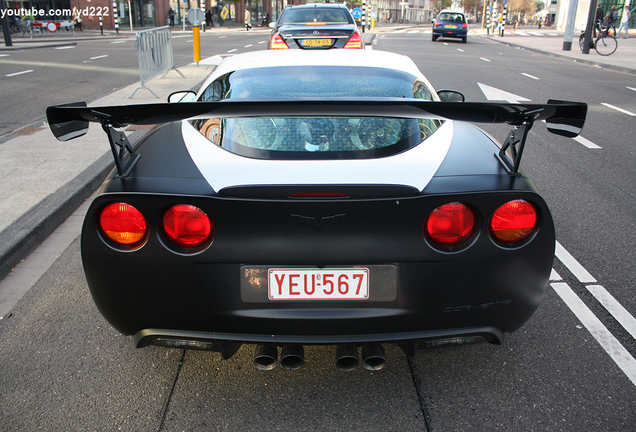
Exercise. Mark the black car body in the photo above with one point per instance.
(450, 24)
(315, 27)
(362, 215)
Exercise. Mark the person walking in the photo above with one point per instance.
(171, 15)
(627, 15)
(248, 20)
(598, 19)
(611, 19)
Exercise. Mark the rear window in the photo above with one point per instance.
(457, 17)
(316, 137)
(312, 16)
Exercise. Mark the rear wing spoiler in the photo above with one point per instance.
(562, 118)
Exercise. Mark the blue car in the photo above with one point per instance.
(451, 25)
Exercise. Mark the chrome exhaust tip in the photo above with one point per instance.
(373, 357)
(292, 357)
(266, 357)
(347, 357)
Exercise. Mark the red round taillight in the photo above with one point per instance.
(514, 221)
(188, 226)
(123, 224)
(450, 224)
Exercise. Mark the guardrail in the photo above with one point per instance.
(154, 51)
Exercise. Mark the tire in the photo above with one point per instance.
(464, 40)
(582, 41)
(434, 38)
(605, 45)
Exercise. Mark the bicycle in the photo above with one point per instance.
(604, 44)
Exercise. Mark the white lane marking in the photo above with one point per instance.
(536, 34)
(191, 40)
(632, 88)
(615, 308)
(222, 37)
(233, 50)
(493, 93)
(414, 31)
(587, 143)
(573, 265)
(121, 41)
(554, 276)
(608, 342)
(5, 55)
(262, 42)
(460, 50)
(19, 73)
(65, 47)
(484, 59)
(99, 57)
(247, 46)
(529, 76)
(619, 109)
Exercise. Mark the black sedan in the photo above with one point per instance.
(449, 24)
(317, 198)
(315, 27)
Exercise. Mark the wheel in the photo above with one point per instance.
(464, 39)
(434, 38)
(582, 41)
(605, 45)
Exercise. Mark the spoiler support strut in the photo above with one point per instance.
(123, 153)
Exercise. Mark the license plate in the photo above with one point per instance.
(317, 42)
(318, 284)
(451, 26)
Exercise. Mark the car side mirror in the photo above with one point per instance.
(272, 25)
(182, 96)
(450, 96)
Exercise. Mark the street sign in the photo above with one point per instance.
(196, 17)
(357, 13)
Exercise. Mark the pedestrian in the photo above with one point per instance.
(611, 18)
(248, 20)
(598, 19)
(208, 18)
(627, 15)
(171, 15)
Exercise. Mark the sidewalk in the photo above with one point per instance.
(43, 180)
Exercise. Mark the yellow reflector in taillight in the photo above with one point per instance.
(123, 224)
(355, 42)
(513, 222)
(278, 42)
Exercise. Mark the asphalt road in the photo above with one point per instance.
(63, 367)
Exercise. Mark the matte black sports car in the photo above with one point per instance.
(323, 198)
(315, 27)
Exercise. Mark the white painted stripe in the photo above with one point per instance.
(19, 73)
(529, 76)
(247, 46)
(615, 308)
(120, 41)
(460, 50)
(608, 342)
(65, 47)
(262, 42)
(554, 276)
(573, 265)
(485, 59)
(233, 50)
(98, 57)
(632, 88)
(587, 143)
(5, 55)
(414, 31)
(191, 40)
(536, 34)
(619, 109)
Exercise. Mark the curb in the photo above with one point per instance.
(24, 235)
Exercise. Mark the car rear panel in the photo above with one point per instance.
(316, 37)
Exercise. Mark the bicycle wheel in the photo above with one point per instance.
(582, 41)
(605, 45)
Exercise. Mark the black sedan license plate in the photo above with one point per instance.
(316, 42)
(318, 284)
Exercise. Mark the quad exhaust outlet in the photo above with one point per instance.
(292, 357)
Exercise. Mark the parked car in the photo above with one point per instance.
(315, 27)
(449, 24)
(317, 198)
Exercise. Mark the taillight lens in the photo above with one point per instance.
(464, 25)
(513, 221)
(188, 226)
(123, 224)
(450, 224)
(277, 42)
(354, 42)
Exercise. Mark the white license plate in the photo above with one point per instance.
(318, 284)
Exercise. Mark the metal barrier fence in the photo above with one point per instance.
(154, 51)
